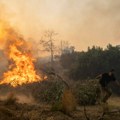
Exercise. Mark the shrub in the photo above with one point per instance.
(48, 91)
(86, 92)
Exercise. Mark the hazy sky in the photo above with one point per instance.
(81, 22)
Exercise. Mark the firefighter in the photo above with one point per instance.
(104, 80)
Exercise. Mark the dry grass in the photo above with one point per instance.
(68, 101)
(43, 112)
(114, 101)
(6, 111)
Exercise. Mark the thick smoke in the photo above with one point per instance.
(87, 23)
(92, 22)
(101, 22)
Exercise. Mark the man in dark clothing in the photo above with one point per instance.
(104, 80)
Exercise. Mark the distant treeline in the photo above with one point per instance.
(96, 60)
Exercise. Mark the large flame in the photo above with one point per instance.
(21, 70)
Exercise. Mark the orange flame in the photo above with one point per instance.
(22, 70)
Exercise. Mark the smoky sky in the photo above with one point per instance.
(81, 22)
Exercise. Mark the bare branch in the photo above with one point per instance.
(85, 113)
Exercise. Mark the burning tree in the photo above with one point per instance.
(21, 68)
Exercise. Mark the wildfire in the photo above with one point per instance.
(21, 71)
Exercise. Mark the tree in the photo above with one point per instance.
(94, 61)
(66, 48)
(48, 43)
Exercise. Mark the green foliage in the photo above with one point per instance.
(84, 65)
(86, 92)
(57, 106)
(48, 91)
(67, 60)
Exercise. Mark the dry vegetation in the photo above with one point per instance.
(53, 101)
(44, 112)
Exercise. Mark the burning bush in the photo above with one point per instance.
(21, 62)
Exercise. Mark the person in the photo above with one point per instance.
(104, 80)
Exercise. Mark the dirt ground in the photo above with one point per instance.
(44, 112)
